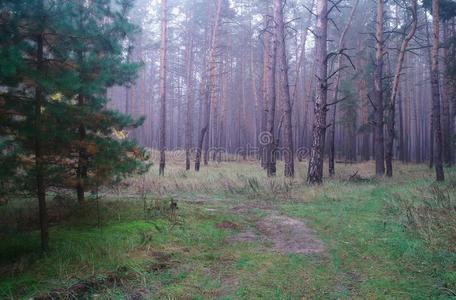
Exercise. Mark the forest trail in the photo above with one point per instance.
(239, 237)
(287, 235)
(290, 236)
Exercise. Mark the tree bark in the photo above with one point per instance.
(401, 128)
(265, 100)
(190, 99)
(210, 91)
(163, 73)
(378, 94)
(315, 171)
(431, 130)
(394, 92)
(268, 136)
(435, 92)
(446, 108)
(81, 172)
(288, 151)
(39, 164)
(257, 112)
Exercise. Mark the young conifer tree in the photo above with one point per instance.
(58, 59)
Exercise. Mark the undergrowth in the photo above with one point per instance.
(169, 238)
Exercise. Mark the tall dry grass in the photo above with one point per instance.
(237, 175)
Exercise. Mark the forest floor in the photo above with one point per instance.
(238, 235)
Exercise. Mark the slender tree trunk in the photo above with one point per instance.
(81, 172)
(300, 80)
(180, 103)
(268, 137)
(257, 111)
(210, 92)
(265, 100)
(435, 92)
(332, 128)
(453, 95)
(288, 150)
(401, 129)
(446, 108)
(362, 92)
(190, 99)
(431, 135)
(224, 100)
(378, 94)
(315, 171)
(203, 131)
(417, 128)
(308, 99)
(163, 73)
(395, 90)
(39, 164)
(243, 110)
(406, 102)
(202, 113)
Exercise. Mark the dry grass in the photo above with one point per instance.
(431, 213)
(210, 248)
(246, 176)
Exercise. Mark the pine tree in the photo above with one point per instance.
(94, 31)
(58, 59)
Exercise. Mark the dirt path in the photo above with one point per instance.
(288, 235)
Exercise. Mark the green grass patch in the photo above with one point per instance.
(373, 249)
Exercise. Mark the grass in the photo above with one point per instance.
(373, 250)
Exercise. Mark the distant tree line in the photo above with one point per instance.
(252, 75)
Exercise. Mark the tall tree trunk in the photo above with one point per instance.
(163, 73)
(268, 136)
(431, 130)
(211, 70)
(446, 118)
(243, 110)
(435, 92)
(308, 99)
(265, 100)
(257, 112)
(288, 150)
(39, 164)
(378, 94)
(453, 94)
(180, 103)
(363, 95)
(395, 90)
(315, 172)
(332, 128)
(401, 128)
(224, 100)
(300, 80)
(81, 172)
(203, 131)
(190, 99)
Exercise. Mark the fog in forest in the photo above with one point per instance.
(227, 149)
